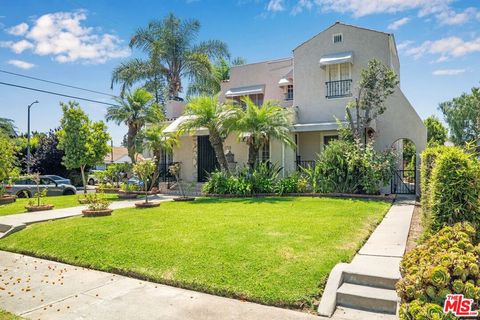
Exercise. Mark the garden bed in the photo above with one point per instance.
(107, 190)
(276, 251)
(389, 197)
(97, 213)
(7, 199)
(43, 207)
(151, 204)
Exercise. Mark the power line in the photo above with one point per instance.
(53, 82)
(55, 93)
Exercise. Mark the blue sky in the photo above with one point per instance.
(80, 42)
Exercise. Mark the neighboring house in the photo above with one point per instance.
(317, 82)
(116, 155)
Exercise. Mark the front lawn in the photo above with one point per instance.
(276, 251)
(59, 202)
(4, 315)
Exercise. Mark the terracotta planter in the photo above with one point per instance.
(184, 199)
(149, 204)
(127, 195)
(97, 213)
(42, 207)
(7, 199)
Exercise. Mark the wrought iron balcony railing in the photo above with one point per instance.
(338, 89)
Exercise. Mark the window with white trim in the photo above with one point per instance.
(341, 71)
(265, 152)
(289, 92)
(337, 38)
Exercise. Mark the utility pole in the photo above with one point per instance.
(28, 136)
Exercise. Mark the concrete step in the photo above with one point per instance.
(373, 271)
(4, 227)
(367, 298)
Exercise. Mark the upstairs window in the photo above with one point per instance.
(289, 92)
(341, 71)
(337, 38)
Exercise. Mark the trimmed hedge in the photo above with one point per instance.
(447, 263)
(454, 194)
(428, 158)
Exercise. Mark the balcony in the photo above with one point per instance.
(338, 89)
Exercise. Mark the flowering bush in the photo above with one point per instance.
(97, 201)
(446, 263)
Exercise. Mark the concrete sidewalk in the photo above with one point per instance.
(41, 289)
(15, 222)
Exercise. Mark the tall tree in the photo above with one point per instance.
(210, 84)
(7, 127)
(157, 141)
(463, 117)
(377, 83)
(8, 160)
(84, 142)
(258, 124)
(208, 112)
(436, 131)
(47, 159)
(172, 54)
(135, 111)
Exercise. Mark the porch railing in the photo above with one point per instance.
(165, 174)
(339, 88)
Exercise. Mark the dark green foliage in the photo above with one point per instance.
(436, 131)
(454, 189)
(446, 263)
(428, 158)
(347, 168)
(294, 183)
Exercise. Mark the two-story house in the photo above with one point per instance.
(317, 82)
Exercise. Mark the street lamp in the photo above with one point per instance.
(28, 136)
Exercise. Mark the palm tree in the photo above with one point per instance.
(157, 141)
(7, 127)
(207, 112)
(172, 55)
(210, 84)
(257, 125)
(136, 110)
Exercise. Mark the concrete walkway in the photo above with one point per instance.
(15, 222)
(41, 289)
(368, 282)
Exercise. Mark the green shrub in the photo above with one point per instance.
(428, 158)
(345, 167)
(446, 263)
(454, 194)
(294, 183)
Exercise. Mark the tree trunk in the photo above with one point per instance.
(156, 175)
(131, 135)
(84, 181)
(252, 155)
(217, 145)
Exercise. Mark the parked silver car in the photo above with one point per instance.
(25, 187)
(58, 179)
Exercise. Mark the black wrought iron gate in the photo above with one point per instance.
(206, 161)
(404, 182)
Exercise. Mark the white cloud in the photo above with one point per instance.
(440, 9)
(404, 45)
(21, 64)
(302, 5)
(398, 23)
(448, 72)
(450, 47)
(63, 36)
(275, 5)
(19, 29)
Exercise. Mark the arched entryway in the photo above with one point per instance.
(405, 178)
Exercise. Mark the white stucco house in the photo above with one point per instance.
(316, 82)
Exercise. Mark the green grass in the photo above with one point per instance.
(4, 315)
(275, 251)
(59, 202)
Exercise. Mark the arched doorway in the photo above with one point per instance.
(404, 180)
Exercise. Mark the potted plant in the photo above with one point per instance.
(4, 197)
(36, 203)
(175, 170)
(145, 170)
(128, 191)
(97, 205)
